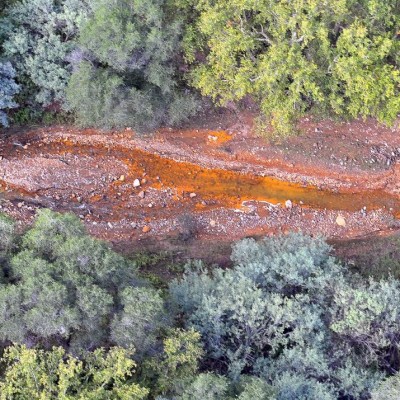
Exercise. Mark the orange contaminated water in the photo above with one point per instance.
(229, 188)
(234, 187)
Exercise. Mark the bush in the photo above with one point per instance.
(8, 89)
(129, 77)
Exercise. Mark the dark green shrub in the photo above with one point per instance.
(66, 287)
(130, 75)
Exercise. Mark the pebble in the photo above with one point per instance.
(340, 221)
(122, 178)
(109, 225)
(192, 195)
(288, 204)
(19, 205)
(144, 181)
(150, 205)
(213, 223)
(136, 183)
(146, 229)
(142, 194)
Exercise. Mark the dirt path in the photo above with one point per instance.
(217, 185)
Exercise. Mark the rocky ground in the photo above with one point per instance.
(197, 189)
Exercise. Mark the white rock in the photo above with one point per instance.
(340, 221)
(288, 204)
(136, 183)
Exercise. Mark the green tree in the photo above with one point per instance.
(368, 319)
(140, 321)
(170, 372)
(64, 287)
(130, 73)
(296, 56)
(389, 389)
(39, 40)
(53, 375)
(274, 315)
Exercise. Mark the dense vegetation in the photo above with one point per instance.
(139, 62)
(288, 321)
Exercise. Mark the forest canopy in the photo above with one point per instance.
(145, 63)
(287, 321)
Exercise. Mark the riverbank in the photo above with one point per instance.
(217, 183)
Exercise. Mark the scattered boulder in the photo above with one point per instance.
(122, 178)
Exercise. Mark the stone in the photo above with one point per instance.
(136, 183)
(192, 195)
(144, 181)
(20, 205)
(122, 178)
(341, 221)
(142, 194)
(288, 204)
(146, 229)
(213, 223)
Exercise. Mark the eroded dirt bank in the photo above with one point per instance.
(216, 185)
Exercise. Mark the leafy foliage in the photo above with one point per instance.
(295, 56)
(8, 89)
(388, 389)
(129, 76)
(289, 313)
(142, 317)
(37, 374)
(39, 39)
(172, 371)
(65, 287)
